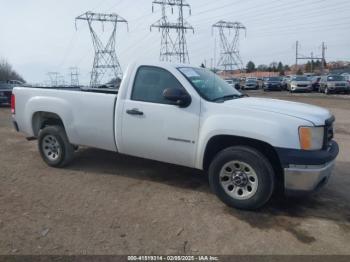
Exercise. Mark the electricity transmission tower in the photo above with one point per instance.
(171, 49)
(106, 65)
(74, 76)
(312, 57)
(53, 78)
(229, 33)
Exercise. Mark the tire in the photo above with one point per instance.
(54, 146)
(230, 179)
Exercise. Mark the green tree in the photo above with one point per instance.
(262, 68)
(250, 67)
(286, 68)
(280, 67)
(273, 67)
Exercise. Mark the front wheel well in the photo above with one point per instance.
(43, 119)
(221, 142)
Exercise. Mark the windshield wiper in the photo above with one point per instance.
(228, 97)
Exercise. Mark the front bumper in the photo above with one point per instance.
(301, 88)
(273, 87)
(307, 171)
(305, 179)
(338, 89)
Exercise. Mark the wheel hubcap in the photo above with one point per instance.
(239, 180)
(51, 147)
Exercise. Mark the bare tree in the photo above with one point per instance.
(7, 73)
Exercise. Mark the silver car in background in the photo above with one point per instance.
(299, 83)
(334, 84)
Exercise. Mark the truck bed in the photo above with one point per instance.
(88, 115)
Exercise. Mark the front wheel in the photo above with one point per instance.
(54, 146)
(242, 177)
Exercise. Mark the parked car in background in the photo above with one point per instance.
(346, 76)
(299, 83)
(285, 81)
(6, 90)
(315, 82)
(234, 82)
(334, 84)
(272, 84)
(251, 84)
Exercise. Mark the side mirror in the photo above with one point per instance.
(178, 96)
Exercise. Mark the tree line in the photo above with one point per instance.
(272, 67)
(8, 73)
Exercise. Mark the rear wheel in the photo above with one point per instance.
(54, 146)
(242, 177)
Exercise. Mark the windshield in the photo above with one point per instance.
(209, 85)
(335, 78)
(273, 79)
(300, 78)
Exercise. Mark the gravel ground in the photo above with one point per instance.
(105, 203)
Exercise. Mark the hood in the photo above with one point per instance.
(314, 114)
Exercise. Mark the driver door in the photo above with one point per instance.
(152, 127)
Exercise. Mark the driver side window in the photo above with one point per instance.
(150, 83)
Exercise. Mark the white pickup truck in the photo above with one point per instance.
(187, 116)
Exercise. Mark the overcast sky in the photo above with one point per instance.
(38, 36)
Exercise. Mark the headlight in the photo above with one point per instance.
(311, 138)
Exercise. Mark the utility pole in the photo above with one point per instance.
(106, 66)
(324, 48)
(312, 57)
(296, 55)
(171, 49)
(230, 56)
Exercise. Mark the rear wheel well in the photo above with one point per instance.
(219, 143)
(43, 119)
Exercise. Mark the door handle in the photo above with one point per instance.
(134, 112)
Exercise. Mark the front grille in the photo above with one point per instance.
(328, 132)
(300, 85)
(340, 85)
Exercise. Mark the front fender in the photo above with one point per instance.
(278, 132)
